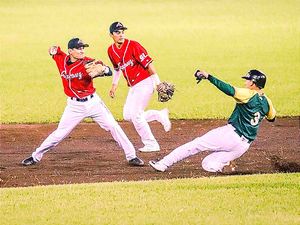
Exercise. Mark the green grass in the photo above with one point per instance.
(257, 199)
(226, 38)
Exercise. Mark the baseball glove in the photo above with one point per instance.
(94, 69)
(165, 91)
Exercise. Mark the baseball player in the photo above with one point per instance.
(137, 66)
(82, 102)
(228, 142)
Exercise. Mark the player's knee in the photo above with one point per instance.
(211, 166)
(137, 117)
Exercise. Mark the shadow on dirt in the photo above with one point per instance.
(285, 167)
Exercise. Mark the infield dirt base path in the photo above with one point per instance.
(91, 155)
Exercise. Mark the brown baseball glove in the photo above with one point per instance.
(165, 91)
(94, 68)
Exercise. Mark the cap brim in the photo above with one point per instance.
(247, 78)
(84, 45)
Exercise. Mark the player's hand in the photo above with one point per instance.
(53, 50)
(202, 73)
(113, 91)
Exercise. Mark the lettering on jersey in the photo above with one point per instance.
(142, 57)
(71, 76)
(129, 63)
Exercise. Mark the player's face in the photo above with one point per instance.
(118, 37)
(249, 84)
(76, 53)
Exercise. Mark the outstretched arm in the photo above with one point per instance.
(222, 86)
(225, 87)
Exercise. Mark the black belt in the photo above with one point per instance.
(82, 99)
(242, 136)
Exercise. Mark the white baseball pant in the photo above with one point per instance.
(74, 113)
(137, 100)
(224, 142)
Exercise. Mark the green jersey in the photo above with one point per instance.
(250, 109)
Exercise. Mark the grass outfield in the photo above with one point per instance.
(226, 37)
(257, 199)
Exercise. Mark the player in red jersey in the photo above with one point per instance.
(82, 102)
(137, 66)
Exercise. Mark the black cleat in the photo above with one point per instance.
(28, 161)
(136, 162)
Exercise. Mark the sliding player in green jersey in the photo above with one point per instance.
(231, 141)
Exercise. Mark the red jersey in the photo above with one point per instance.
(132, 59)
(76, 81)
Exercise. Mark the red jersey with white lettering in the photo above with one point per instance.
(132, 59)
(76, 81)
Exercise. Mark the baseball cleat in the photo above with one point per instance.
(136, 162)
(28, 161)
(157, 166)
(150, 149)
(166, 121)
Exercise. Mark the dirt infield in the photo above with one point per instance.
(90, 154)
